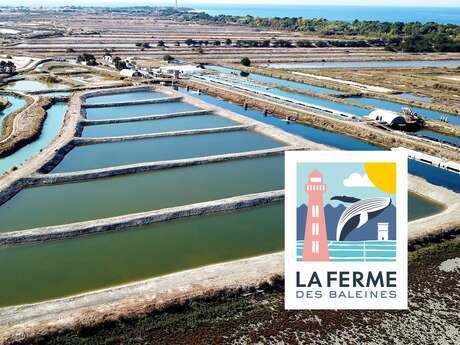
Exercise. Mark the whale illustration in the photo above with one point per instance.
(358, 214)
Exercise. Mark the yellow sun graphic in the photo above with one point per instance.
(382, 175)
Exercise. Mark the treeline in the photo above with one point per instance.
(7, 67)
(409, 37)
(88, 59)
(306, 43)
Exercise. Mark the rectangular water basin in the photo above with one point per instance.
(115, 196)
(57, 269)
(105, 155)
(138, 110)
(125, 97)
(157, 126)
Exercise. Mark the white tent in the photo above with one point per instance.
(130, 73)
(181, 69)
(388, 117)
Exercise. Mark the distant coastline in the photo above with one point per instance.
(442, 15)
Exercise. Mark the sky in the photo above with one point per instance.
(334, 175)
(418, 3)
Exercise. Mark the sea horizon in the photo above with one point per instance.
(375, 12)
(423, 14)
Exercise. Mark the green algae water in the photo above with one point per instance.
(138, 110)
(33, 85)
(157, 126)
(419, 207)
(62, 268)
(105, 155)
(109, 197)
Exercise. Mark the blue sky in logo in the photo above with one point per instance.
(334, 175)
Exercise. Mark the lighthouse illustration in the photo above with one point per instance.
(315, 240)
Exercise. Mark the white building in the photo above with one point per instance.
(387, 117)
(108, 58)
(130, 73)
(182, 70)
(382, 231)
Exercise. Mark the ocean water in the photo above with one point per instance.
(445, 15)
(357, 251)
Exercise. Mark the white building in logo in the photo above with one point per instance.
(382, 231)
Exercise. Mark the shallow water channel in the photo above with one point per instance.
(16, 103)
(307, 101)
(396, 107)
(51, 128)
(377, 103)
(369, 64)
(276, 81)
(432, 174)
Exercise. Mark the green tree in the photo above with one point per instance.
(119, 63)
(90, 59)
(168, 58)
(246, 61)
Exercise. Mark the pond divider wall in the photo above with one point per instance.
(87, 122)
(57, 157)
(14, 188)
(104, 91)
(44, 179)
(123, 223)
(59, 98)
(140, 102)
(90, 141)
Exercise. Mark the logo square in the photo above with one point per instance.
(346, 230)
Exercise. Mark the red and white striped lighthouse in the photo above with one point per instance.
(315, 246)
